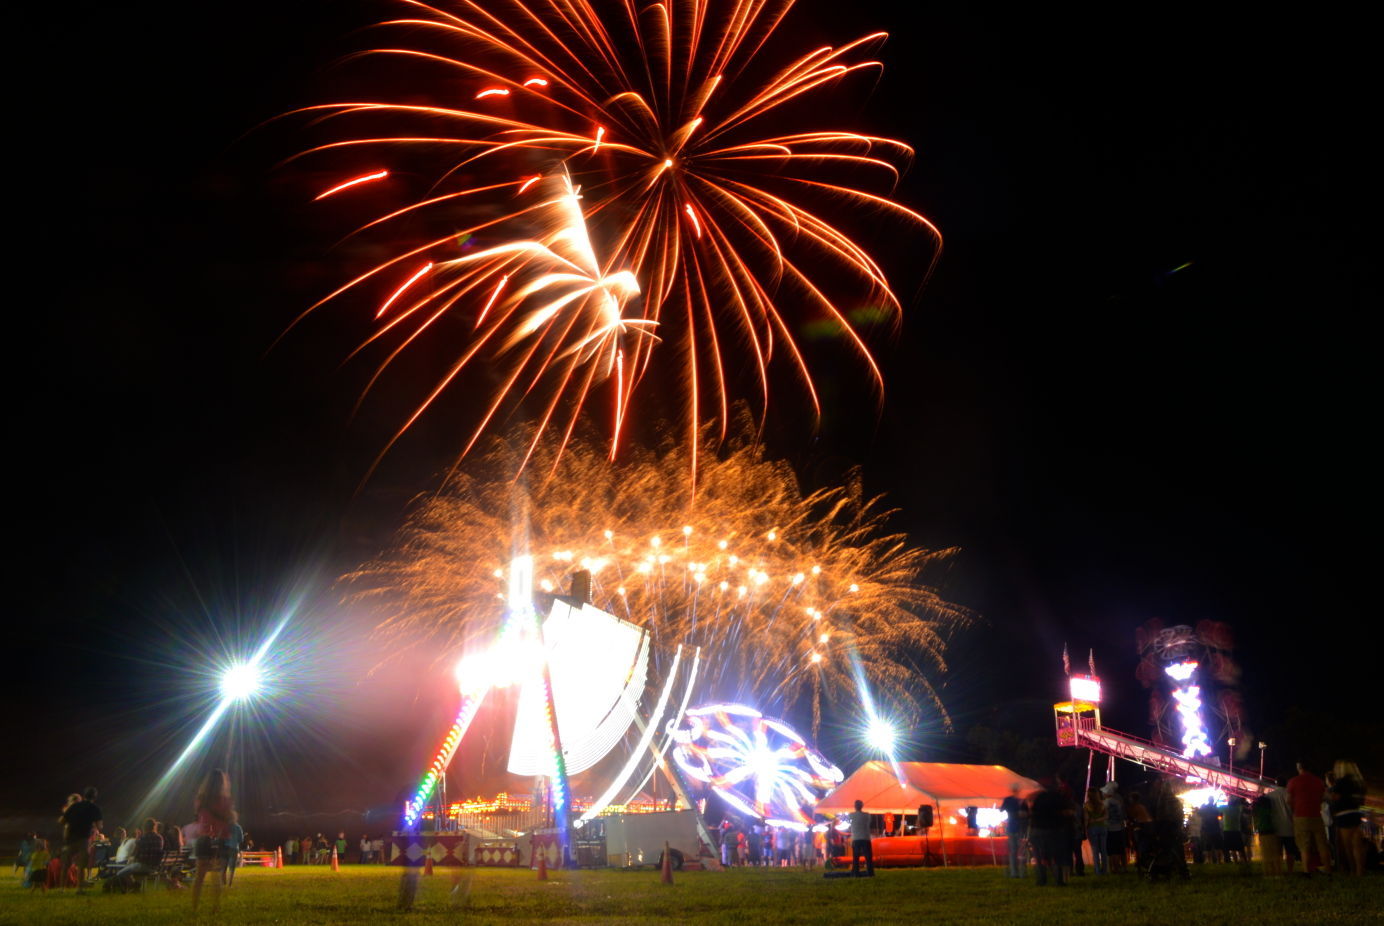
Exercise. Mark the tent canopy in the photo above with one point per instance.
(946, 785)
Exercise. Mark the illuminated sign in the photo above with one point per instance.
(1085, 688)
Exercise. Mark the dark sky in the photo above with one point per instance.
(1106, 439)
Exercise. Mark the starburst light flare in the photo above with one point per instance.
(794, 598)
(714, 172)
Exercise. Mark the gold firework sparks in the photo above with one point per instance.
(790, 595)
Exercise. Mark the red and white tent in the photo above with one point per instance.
(947, 786)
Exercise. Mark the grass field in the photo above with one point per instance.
(302, 896)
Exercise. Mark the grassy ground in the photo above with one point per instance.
(303, 896)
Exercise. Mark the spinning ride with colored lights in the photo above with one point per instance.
(760, 766)
(581, 673)
(1197, 665)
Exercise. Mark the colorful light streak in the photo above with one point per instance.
(1187, 698)
(376, 175)
(637, 754)
(660, 113)
(758, 765)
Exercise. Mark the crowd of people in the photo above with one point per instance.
(182, 857)
(1315, 821)
(317, 850)
(1312, 820)
(759, 845)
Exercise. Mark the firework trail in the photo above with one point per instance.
(783, 591)
(704, 175)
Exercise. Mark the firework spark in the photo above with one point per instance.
(784, 592)
(701, 182)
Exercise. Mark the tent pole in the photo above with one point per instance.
(942, 825)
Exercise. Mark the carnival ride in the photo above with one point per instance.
(583, 673)
(758, 765)
(1078, 724)
(1202, 677)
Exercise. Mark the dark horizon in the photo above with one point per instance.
(1131, 389)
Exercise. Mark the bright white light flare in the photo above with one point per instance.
(881, 736)
(242, 681)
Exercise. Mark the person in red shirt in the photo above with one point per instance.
(215, 814)
(1305, 792)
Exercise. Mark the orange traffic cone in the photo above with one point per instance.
(542, 864)
(427, 865)
(667, 864)
(335, 865)
(279, 857)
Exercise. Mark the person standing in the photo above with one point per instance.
(215, 814)
(235, 840)
(1283, 827)
(79, 820)
(1141, 822)
(1096, 829)
(1234, 841)
(1194, 837)
(1347, 795)
(1015, 829)
(365, 850)
(1305, 792)
(860, 841)
(1115, 838)
(291, 851)
(26, 849)
(1078, 832)
(1270, 850)
(1169, 839)
(1049, 828)
(1212, 837)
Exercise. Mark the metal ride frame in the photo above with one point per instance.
(1078, 724)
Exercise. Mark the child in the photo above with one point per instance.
(36, 874)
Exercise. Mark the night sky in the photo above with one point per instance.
(1106, 437)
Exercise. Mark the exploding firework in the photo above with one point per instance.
(791, 597)
(705, 180)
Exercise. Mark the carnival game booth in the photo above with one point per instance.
(952, 795)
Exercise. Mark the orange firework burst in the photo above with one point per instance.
(793, 597)
(676, 131)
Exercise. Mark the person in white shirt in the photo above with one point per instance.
(125, 854)
(860, 841)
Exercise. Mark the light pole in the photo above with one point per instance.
(1231, 753)
(1262, 746)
